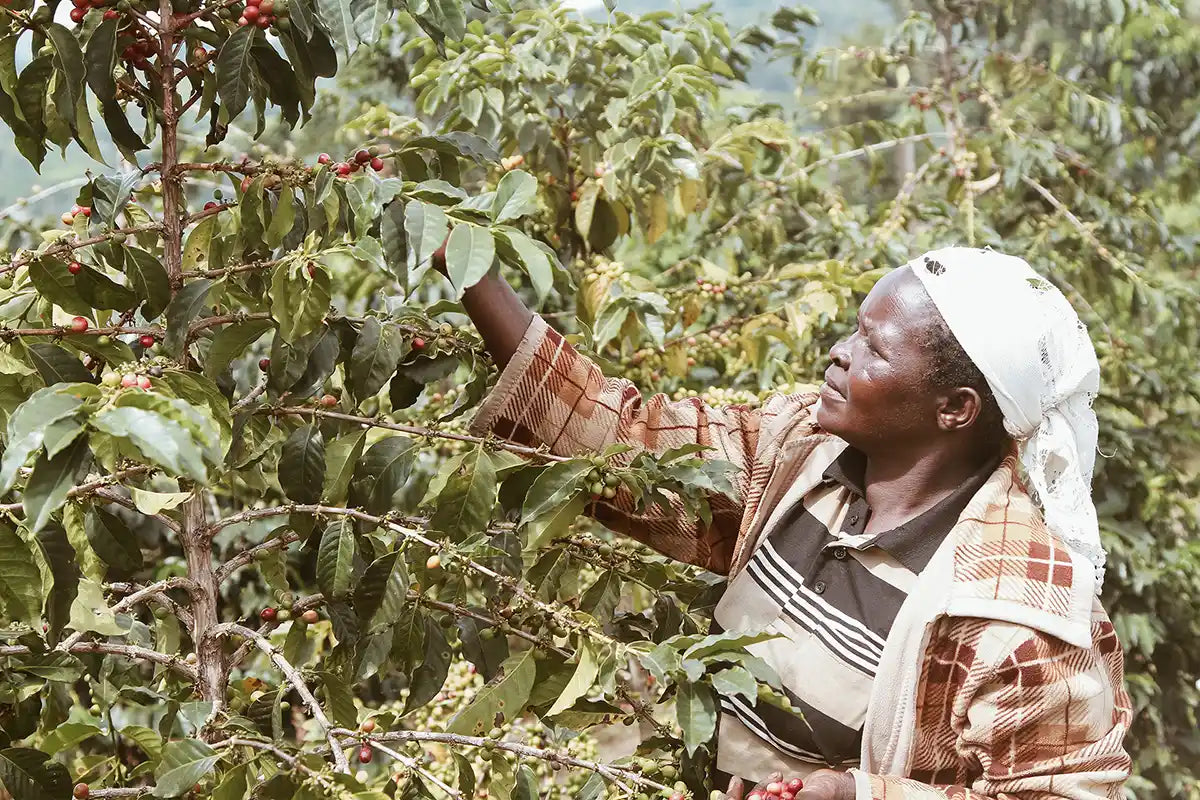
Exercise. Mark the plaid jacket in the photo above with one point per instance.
(1002, 675)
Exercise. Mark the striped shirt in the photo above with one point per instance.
(833, 591)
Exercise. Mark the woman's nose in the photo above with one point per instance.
(839, 354)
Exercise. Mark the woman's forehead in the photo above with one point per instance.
(897, 300)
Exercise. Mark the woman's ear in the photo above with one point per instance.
(959, 408)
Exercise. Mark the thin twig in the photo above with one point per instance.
(294, 678)
(414, 766)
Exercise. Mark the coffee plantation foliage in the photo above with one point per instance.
(249, 547)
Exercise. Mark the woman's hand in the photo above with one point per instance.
(824, 784)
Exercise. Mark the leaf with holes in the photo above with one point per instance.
(501, 700)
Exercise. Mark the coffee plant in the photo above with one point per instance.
(250, 546)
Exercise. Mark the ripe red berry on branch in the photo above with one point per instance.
(329, 401)
(74, 268)
(268, 614)
(143, 382)
(418, 343)
(795, 785)
(77, 14)
(210, 205)
(324, 158)
(129, 380)
(79, 324)
(343, 169)
(362, 156)
(81, 791)
(310, 617)
(377, 164)
(264, 364)
(365, 754)
(147, 340)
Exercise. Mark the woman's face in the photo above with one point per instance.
(876, 392)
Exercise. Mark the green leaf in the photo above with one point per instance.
(31, 92)
(394, 240)
(553, 486)
(235, 70)
(465, 505)
(341, 455)
(585, 208)
(113, 541)
(28, 774)
(110, 195)
(426, 226)
(581, 681)
(101, 57)
(736, 680)
(199, 244)
(382, 592)
(527, 785)
(339, 19)
(376, 352)
(381, 471)
(53, 282)
(89, 612)
(469, 254)
(500, 700)
(231, 342)
(534, 261)
(75, 525)
(369, 16)
(68, 735)
(100, 291)
(516, 196)
(145, 738)
(601, 598)
(283, 218)
(122, 132)
(20, 580)
(335, 559)
(233, 785)
(696, 711)
(184, 762)
(156, 502)
(299, 301)
(47, 487)
(64, 573)
(148, 279)
(302, 464)
(430, 675)
(70, 62)
(183, 308)
(28, 424)
(162, 441)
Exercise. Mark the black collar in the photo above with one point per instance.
(914, 542)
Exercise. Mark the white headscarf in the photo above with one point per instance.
(1037, 358)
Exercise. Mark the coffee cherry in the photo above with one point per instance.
(343, 169)
(612, 479)
(143, 382)
(795, 785)
(67, 218)
(81, 791)
(263, 22)
(120, 238)
(365, 753)
(110, 379)
(250, 13)
(264, 364)
(191, 658)
(324, 158)
(609, 492)
(329, 401)
(79, 324)
(786, 795)
(210, 205)
(147, 340)
(112, 13)
(283, 615)
(367, 726)
(433, 562)
(74, 268)
(596, 489)
(268, 614)
(6, 280)
(418, 343)
(775, 788)
(362, 156)
(677, 796)
(77, 14)
(377, 164)
(246, 181)
(129, 380)
(310, 616)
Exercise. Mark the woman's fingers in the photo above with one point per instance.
(736, 788)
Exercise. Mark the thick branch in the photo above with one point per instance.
(129, 602)
(294, 678)
(132, 652)
(67, 247)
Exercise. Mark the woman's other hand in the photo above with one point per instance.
(824, 784)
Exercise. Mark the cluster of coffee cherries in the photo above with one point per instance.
(602, 482)
(264, 14)
(661, 772)
(286, 602)
(138, 52)
(82, 7)
(778, 790)
(368, 157)
(716, 289)
(68, 217)
(612, 270)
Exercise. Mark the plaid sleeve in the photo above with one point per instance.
(1046, 721)
(550, 395)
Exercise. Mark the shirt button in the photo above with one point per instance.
(853, 519)
(839, 553)
(819, 587)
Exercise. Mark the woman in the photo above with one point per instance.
(940, 632)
